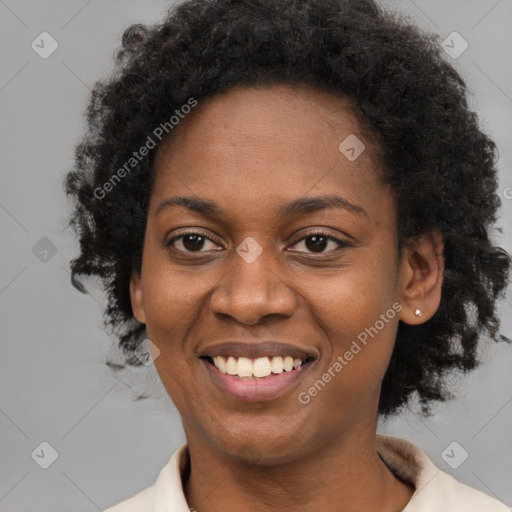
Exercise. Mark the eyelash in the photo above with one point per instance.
(341, 243)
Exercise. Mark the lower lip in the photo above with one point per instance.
(256, 389)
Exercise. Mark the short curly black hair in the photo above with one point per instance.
(408, 99)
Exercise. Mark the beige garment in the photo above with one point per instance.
(436, 491)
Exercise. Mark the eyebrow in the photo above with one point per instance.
(300, 206)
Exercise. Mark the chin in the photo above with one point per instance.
(268, 447)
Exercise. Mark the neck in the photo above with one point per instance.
(345, 475)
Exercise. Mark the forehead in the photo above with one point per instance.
(263, 145)
(256, 111)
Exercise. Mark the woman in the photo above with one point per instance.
(293, 202)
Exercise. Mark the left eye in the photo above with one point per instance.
(317, 242)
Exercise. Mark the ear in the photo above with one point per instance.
(136, 297)
(422, 277)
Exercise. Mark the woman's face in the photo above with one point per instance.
(258, 165)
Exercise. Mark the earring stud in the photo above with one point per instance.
(417, 312)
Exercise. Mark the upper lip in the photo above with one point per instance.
(255, 349)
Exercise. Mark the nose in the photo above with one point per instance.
(248, 292)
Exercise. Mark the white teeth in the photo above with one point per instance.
(231, 366)
(259, 367)
(244, 367)
(277, 365)
(288, 363)
(220, 363)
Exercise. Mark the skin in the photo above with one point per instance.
(250, 150)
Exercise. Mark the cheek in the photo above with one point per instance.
(170, 296)
(357, 310)
(353, 298)
(171, 305)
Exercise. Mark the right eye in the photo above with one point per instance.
(190, 242)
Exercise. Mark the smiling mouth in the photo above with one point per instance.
(245, 368)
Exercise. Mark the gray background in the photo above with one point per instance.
(55, 385)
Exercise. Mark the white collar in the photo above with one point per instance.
(436, 491)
